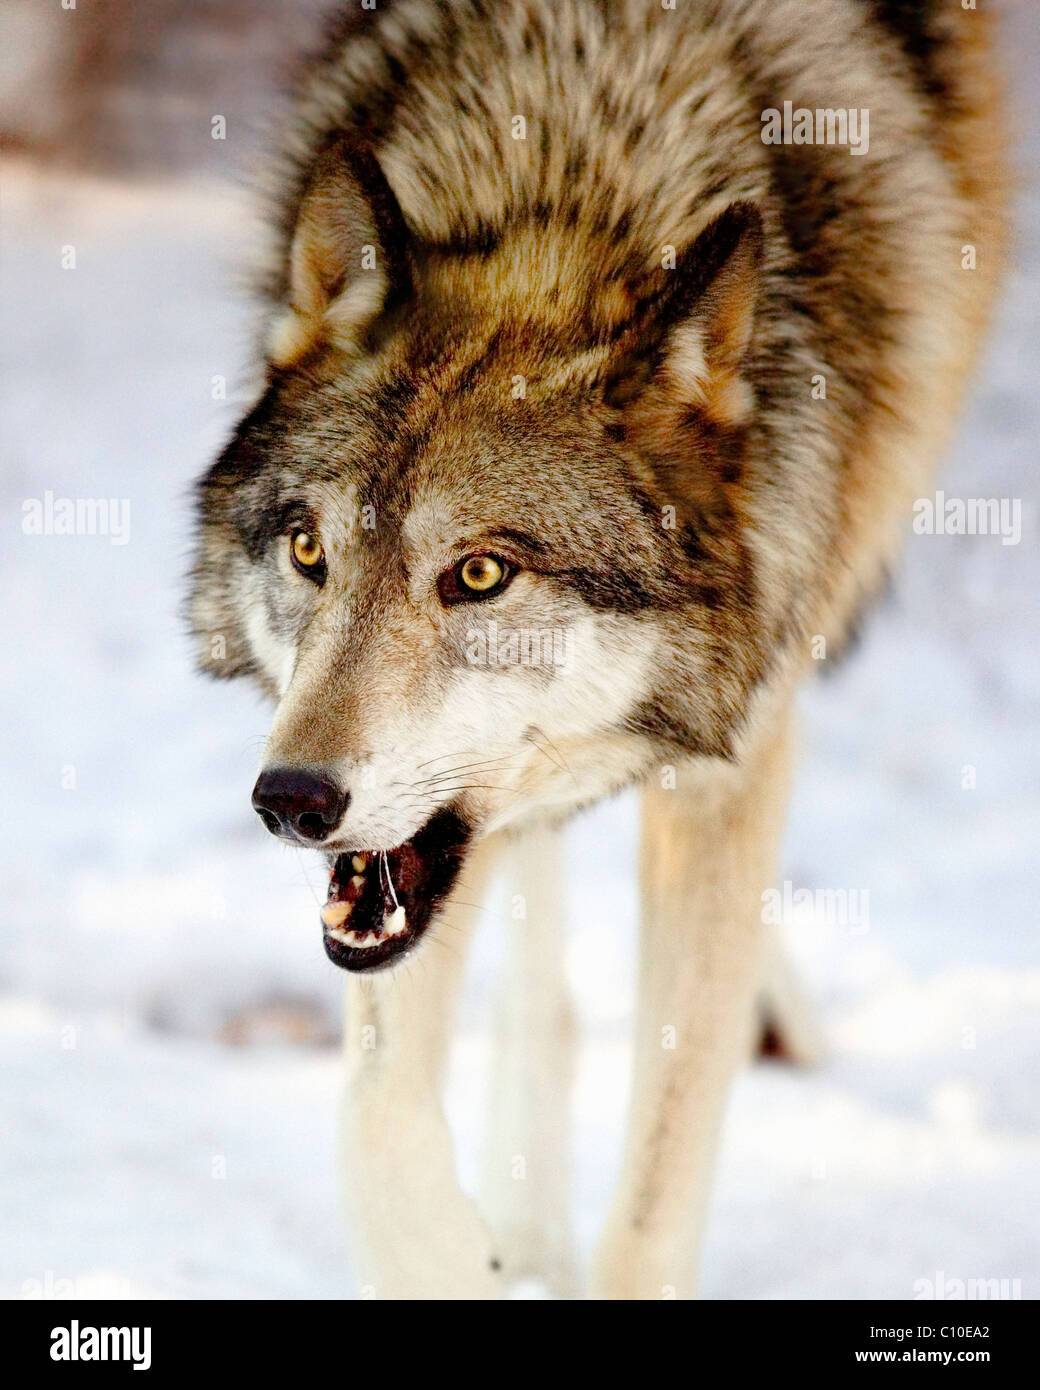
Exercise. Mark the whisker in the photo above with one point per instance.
(484, 766)
(441, 756)
(477, 907)
(432, 788)
(423, 794)
(468, 787)
(563, 765)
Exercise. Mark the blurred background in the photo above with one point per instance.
(168, 1020)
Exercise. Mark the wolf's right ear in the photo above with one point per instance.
(694, 327)
(348, 259)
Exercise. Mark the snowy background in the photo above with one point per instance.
(168, 1020)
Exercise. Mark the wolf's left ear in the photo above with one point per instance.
(348, 259)
(694, 324)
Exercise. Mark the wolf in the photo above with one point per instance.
(555, 340)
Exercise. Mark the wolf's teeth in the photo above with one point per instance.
(334, 914)
(396, 923)
(357, 882)
(360, 940)
(359, 863)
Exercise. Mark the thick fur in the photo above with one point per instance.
(592, 350)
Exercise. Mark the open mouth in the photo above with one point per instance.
(381, 902)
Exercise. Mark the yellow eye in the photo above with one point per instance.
(307, 551)
(480, 573)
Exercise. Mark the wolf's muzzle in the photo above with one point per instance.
(298, 804)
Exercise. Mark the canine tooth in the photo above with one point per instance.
(359, 863)
(396, 923)
(334, 914)
(357, 881)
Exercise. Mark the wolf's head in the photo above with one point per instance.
(482, 538)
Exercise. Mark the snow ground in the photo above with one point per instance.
(167, 1017)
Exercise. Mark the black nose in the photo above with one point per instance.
(299, 804)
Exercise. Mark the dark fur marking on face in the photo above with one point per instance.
(609, 592)
(245, 454)
(522, 539)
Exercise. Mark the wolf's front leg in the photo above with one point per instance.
(413, 1233)
(708, 853)
(528, 1162)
